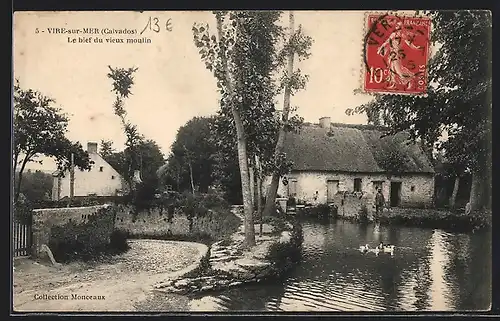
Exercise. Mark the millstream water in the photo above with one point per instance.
(431, 270)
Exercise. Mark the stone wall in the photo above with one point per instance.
(159, 223)
(94, 224)
(351, 204)
(416, 190)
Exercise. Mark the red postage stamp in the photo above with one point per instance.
(396, 52)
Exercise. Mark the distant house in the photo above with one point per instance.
(331, 159)
(101, 180)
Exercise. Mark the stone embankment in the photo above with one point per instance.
(230, 264)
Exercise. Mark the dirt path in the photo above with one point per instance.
(122, 285)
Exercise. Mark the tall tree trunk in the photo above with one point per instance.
(480, 190)
(477, 197)
(480, 194)
(273, 188)
(259, 192)
(72, 178)
(242, 149)
(251, 176)
(191, 177)
(20, 178)
(453, 198)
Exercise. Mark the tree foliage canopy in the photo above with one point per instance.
(151, 155)
(193, 147)
(40, 129)
(257, 48)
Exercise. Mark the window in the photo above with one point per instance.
(101, 168)
(357, 184)
(412, 188)
(112, 177)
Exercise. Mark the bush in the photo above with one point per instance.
(23, 211)
(279, 223)
(213, 201)
(87, 240)
(285, 255)
(118, 241)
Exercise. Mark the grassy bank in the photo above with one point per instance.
(418, 217)
(285, 255)
(437, 218)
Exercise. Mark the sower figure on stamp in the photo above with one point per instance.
(398, 73)
(379, 203)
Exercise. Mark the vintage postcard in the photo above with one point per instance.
(245, 161)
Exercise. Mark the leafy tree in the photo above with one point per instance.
(247, 63)
(227, 176)
(36, 185)
(242, 56)
(193, 150)
(106, 148)
(140, 154)
(40, 129)
(458, 101)
(171, 173)
(122, 83)
(292, 80)
(151, 155)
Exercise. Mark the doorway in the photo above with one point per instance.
(332, 187)
(395, 197)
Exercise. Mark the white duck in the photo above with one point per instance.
(386, 248)
(376, 250)
(364, 248)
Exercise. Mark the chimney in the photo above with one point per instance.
(92, 148)
(325, 122)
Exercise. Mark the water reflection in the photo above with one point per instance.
(430, 270)
(439, 259)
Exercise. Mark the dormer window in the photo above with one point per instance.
(101, 168)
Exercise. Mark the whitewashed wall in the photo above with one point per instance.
(308, 183)
(105, 183)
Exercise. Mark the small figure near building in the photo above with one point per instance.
(379, 203)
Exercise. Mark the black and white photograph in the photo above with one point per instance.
(251, 161)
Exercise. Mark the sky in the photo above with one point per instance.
(172, 84)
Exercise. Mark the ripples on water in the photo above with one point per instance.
(430, 270)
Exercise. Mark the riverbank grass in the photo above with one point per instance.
(436, 218)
